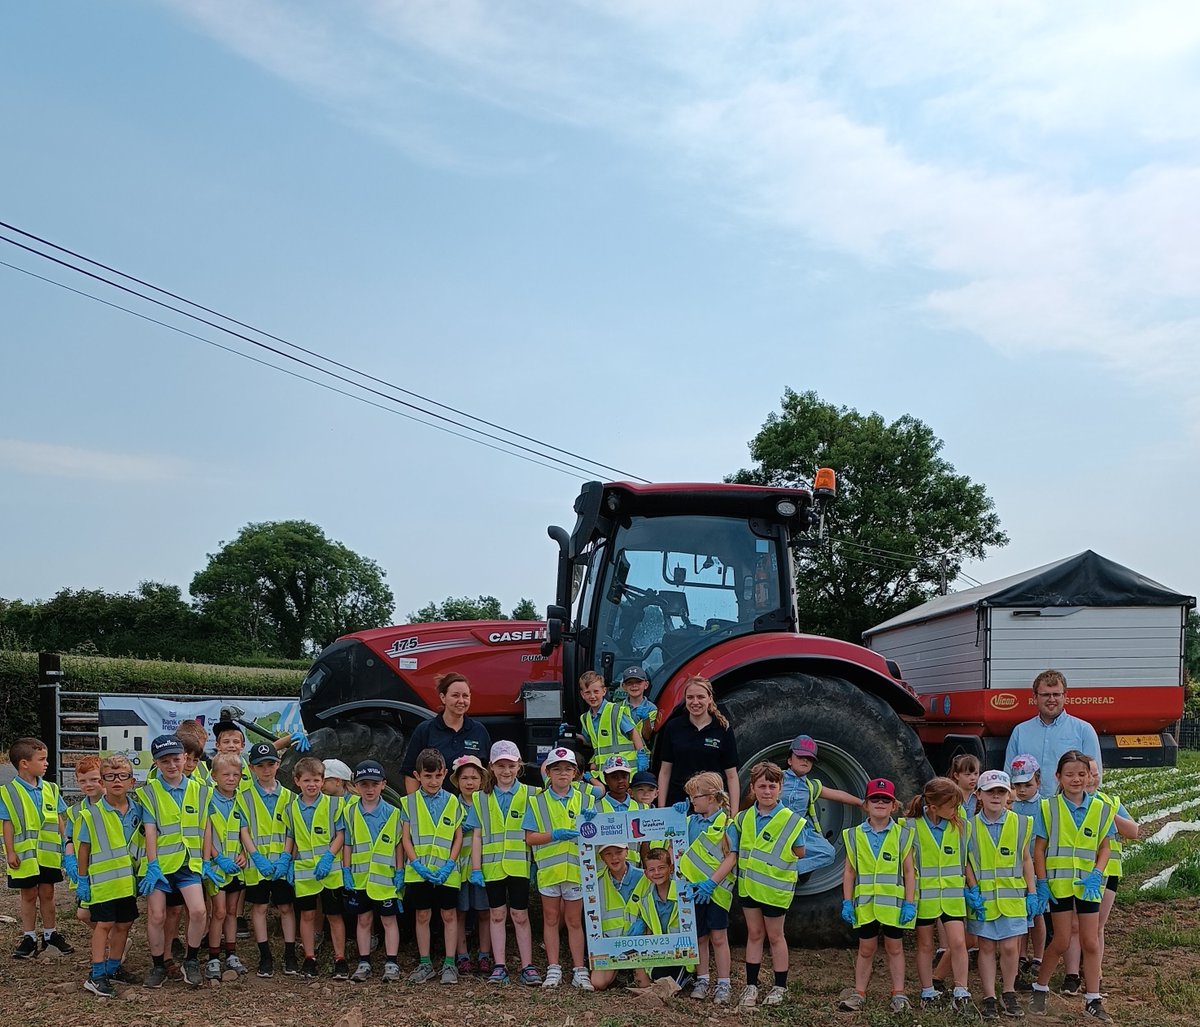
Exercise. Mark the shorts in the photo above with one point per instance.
(423, 895)
(710, 917)
(116, 911)
(567, 891)
(943, 918)
(472, 896)
(359, 902)
(233, 886)
(45, 875)
(332, 903)
(767, 910)
(1072, 903)
(871, 930)
(512, 892)
(270, 893)
(1112, 883)
(181, 878)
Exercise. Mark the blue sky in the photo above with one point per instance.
(623, 227)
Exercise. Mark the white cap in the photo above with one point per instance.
(990, 779)
(613, 845)
(504, 750)
(560, 754)
(338, 770)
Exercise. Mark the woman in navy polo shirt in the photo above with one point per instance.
(451, 732)
(703, 740)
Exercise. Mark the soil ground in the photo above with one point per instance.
(1152, 970)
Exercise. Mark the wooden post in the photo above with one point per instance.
(49, 679)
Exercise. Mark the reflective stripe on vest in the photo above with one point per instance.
(558, 862)
(648, 910)
(878, 880)
(311, 844)
(37, 838)
(503, 850)
(999, 867)
(226, 836)
(615, 913)
(1071, 850)
(1116, 845)
(179, 830)
(432, 842)
(766, 863)
(266, 831)
(606, 737)
(74, 817)
(373, 860)
(111, 857)
(941, 873)
(704, 855)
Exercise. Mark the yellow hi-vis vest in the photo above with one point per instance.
(226, 837)
(37, 838)
(999, 866)
(1116, 844)
(266, 831)
(616, 914)
(558, 862)
(180, 828)
(502, 843)
(766, 863)
(74, 817)
(605, 735)
(605, 805)
(941, 870)
(878, 880)
(704, 855)
(112, 858)
(1071, 850)
(373, 860)
(432, 842)
(311, 843)
(647, 909)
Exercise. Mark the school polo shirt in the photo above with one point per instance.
(1077, 814)
(690, 750)
(472, 739)
(377, 817)
(627, 883)
(503, 799)
(131, 819)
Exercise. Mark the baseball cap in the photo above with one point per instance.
(617, 765)
(560, 754)
(990, 779)
(633, 674)
(335, 769)
(166, 745)
(221, 726)
(369, 770)
(1023, 768)
(469, 760)
(612, 845)
(881, 786)
(643, 777)
(803, 745)
(263, 752)
(504, 750)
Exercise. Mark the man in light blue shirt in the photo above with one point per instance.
(1052, 732)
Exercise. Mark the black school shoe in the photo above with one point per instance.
(26, 948)
(988, 1009)
(309, 969)
(57, 941)
(1012, 1005)
(266, 965)
(1070, 985)
(341, 970)
(291, 965)
(1095, 1009)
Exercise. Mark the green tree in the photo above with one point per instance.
(464, 608)
(903, 519)
(526, 610)
(284, 588)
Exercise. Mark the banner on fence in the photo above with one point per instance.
(129, 723)
(663, 828)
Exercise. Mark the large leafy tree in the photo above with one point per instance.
(903, 522)
(286, 589)
(466, 608)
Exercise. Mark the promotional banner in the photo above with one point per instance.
(663, 828)
(129, 723)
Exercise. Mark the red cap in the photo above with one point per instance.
(881, 786)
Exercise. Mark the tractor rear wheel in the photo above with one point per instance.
(353, 741)
(858, 736)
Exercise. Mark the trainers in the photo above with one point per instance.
(123, 976)
(309, 969)
(483, 964)
(266, 965)
(553, 976)
(423, 974)
(243, 928)
(722, 993)
(463, 964)
(775, 996)
(1012, 1007)
(101, 987)
(851, 1001)
(499, 975)
(449, 973)
(700, 989)
(1038, 1005)
(391, 973)
(236, 965)
(26, 949)
(155, 978)
(362, 972)
(988, 1009)
(900, 1003)
(749, 997)
(581, 980)
(1095, 1009)
(291, 965)
(178, 952)
(57, 941)
(341, 970)
(530, 976)
(1070, 985)
(191, 972)
(965, 1008)
(212, 969)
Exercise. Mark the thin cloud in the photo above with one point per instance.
(48, 459)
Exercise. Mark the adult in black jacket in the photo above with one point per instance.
(451, 732)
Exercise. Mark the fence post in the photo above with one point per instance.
(49, 678)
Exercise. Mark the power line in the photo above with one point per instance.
(288, 356)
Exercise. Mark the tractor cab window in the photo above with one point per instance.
(673, 586)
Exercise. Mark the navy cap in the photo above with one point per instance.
(369, 770)
(222, 726)
(166, 745)
(263, 752)
(643, 777)
(634, 674)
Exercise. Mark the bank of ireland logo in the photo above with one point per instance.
(587, 829)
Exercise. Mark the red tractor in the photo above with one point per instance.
(680, 579)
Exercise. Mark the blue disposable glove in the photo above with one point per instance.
(83, 888)
(226, 864)
(1093, 884)
(71, 868)
(283, 866)
(443, 875)
(348, 879)
(589, 814)
(643, 759)
(154, 875)
(426, 874)
(704, 889)
(564, 834)
(1033, 906)
(301, 743)
(848, 911)
(263, 865)
(1043, 893)
(563, 728)
(290, 877)
(477, 878)
(397, 880)
(681, 806)
(975, 902)
(325, 864)
(207, 869)
(908, 913)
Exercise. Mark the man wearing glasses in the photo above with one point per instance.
(1052, 732)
